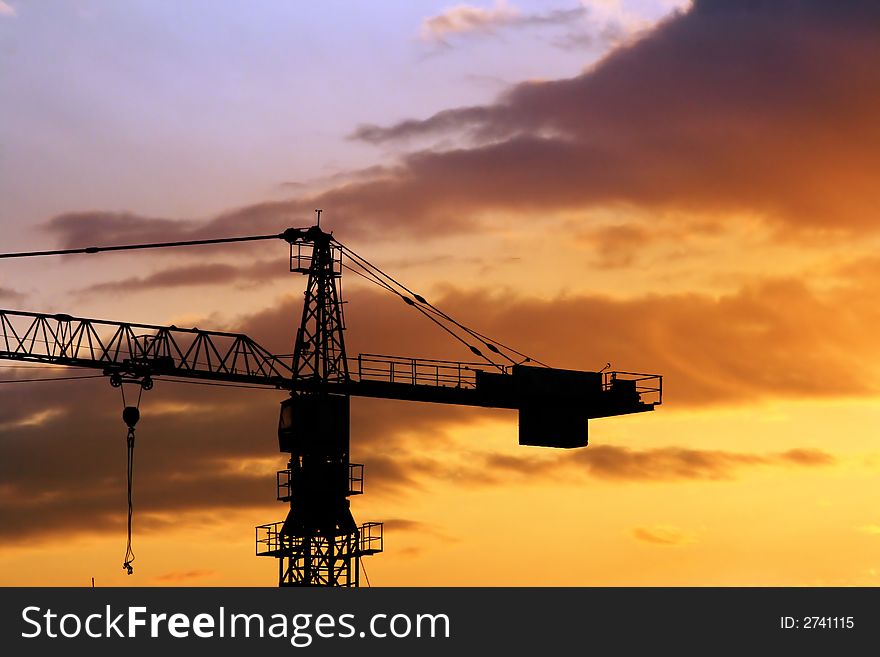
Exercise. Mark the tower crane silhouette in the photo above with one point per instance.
(319, 543)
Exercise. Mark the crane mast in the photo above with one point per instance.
(319, 543)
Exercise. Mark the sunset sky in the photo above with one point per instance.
(680, 188)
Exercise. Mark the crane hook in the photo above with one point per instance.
(130, 415)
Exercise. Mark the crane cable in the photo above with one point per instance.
(130, 415)
(410, 303)
(361, 564)
(89, 250)
(53, 378)
(372, 270)
(377, 275)
(485, 340)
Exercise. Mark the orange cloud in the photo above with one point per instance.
(660, 464)
(467, 19)
(462, 19)
(663, 535)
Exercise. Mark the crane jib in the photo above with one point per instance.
(551, 401)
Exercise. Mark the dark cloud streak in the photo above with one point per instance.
(759, 106)
(8, 295)
(194, 275)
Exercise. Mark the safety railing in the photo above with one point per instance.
(302, 253)
(415, 371)
(355, 478)
(648, 387)
(283, 480)
(268, 539)
(372, 539)
(270, 542)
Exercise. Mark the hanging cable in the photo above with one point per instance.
(130, 415)
(129, 553)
